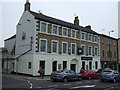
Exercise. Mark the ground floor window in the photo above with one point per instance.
(42, 64)
(54, 66)
(96, 64)
(83, 65)
(29, 65)
(64, 65)
(90, 65)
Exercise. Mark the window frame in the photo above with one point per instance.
(53, 28)
(94, 50)
(72, 33)
(66, 48)
(75, 48)
(56, 48)
(45, 27)
(84, 52)
(91, 51)
(66, 32)
(40, 45)
(88, 37)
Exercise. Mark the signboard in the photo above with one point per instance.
(86, 58)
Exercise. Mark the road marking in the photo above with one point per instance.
(109, 88)
(66, 84)
(95, 80)
(53, 86)
(84, 86)
(31, 85)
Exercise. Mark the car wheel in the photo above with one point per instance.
(79, 78)
(65, 79)
(114, 80)
(89, 77)
(102, 80)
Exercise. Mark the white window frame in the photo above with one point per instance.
(84, 36)
(46, 26)
(52, 46)
(75, 48)
(40, 45)
(97, 38)
(66, 48)
(91, 51)
(88, 37)
(66, 32)
(94, 51)
(57, 29)
(84, 49)
(72, 33)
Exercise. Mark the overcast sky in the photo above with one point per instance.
(100, 15)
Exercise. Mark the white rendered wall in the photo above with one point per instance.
(49, 58)
(26, 25)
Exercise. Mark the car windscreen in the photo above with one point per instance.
(107, 72)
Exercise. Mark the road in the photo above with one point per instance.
(47, 84)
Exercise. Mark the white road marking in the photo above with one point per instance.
(109, 88)
(84, 86)
(53, 86)
(30, 85)
(95, 80)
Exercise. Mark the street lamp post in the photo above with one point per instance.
(109, 45)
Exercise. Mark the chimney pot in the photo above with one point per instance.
(76, 21)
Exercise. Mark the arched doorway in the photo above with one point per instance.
(74, 64)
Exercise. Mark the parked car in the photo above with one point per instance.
(89, 74)
(65, 75)
(100, 71)
(110, 75)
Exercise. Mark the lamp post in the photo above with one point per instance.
(109, 45)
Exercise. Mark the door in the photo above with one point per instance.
(73, 67)
(42, 64)
(54, 66)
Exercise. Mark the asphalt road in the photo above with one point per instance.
(47, 84)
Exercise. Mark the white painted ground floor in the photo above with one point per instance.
(30, 63)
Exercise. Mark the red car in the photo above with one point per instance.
(89, 74)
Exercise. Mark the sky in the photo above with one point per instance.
(102, 15)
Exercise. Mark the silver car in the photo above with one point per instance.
(65, 75)
(110, 75)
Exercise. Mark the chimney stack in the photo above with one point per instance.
(27, 6)
(88, 26)
(76, 21)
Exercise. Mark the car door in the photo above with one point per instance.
(73, 74)
(117, 75)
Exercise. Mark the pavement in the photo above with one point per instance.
(25, 77)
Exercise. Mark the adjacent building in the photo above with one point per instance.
(54, 44)
(109, 52)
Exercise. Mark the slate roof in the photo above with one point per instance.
(43, 17)
(14, 36)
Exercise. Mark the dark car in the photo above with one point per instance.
(65, 75)
(89, 74)
(110, 75)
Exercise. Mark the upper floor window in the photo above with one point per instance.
(83, 48)
(55, 29)
(95, 38)
(73, 48)
(54, 46)
(43, 45)
(89, 37)
(73, 33)
(64, 31)
(89, 50)
(83, 36)
(64, 47)
(96, 51)
(43, 27)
